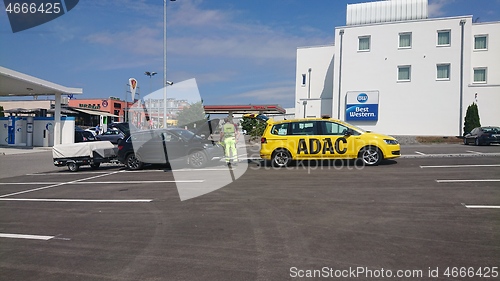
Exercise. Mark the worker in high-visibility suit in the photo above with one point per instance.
(229, 135)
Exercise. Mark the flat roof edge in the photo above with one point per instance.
(315, 46)
(404, 21)
(34, 80)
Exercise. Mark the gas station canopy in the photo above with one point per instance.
(241, 109)
(13, 83)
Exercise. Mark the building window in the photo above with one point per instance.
(404, 73)
(480, 42)
(443, 71)
(405, 40)
(303, 79)
(444, 38)
(480, 75)
(364, 43)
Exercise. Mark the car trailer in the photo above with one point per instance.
(79, 154)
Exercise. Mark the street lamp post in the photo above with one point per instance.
(165, 62)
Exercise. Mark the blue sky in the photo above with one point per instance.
(239, 52)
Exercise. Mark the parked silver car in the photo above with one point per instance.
(113, 135)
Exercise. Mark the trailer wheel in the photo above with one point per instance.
(73, 167)
(95, 165)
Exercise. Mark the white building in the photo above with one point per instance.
(418, 74)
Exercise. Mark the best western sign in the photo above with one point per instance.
(361, 106)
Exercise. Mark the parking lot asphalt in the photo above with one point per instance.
(424, 217)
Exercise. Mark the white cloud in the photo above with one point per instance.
(140, 41)
(187, 13)
(194, 32)
(436, 7)
(214, 46)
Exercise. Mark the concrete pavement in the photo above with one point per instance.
(10, 150)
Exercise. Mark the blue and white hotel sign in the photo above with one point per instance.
(361, 106)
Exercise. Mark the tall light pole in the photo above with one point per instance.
(165, 62)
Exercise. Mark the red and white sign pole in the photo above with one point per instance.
(133, 87)
(132, 82)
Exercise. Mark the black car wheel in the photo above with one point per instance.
(466, 142)
(371, 156)
(95, 165)
(477, 142)
(197, 159)
(133, 163)
(281, 158)
(73, 167)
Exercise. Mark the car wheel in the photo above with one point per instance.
(132, 162)
(95, 165)
(466, 142)
(476, 142)
(281, 158)
(73, 167)
(197, 159)
(371, 156)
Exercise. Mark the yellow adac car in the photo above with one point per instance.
(322, 138)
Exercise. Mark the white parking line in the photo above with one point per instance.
(200, 170)
(99, 182)
(180, 170)
(481, 207)
(461, 166)
(55, 185)
(25, 236)
(139, 182)
(27, 183)
(81, 200)
(420, 153)
(470, 151)
(66, 174)
(483, 180)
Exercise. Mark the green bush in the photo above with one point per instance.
(471, 118)
(254, 127)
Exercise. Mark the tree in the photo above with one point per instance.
(471, 118)
(191, 114)
(248, 124)
(1, 111)
(254, 127)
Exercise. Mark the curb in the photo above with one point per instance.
(451, 155)
(411, 156)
